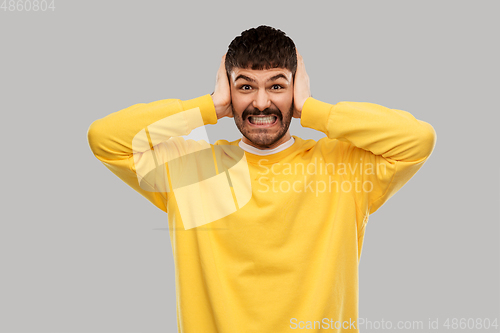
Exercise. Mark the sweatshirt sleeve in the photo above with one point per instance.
(383, 148)
(136, 142)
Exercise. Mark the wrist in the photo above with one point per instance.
(219, 108)
(315, 114)
(206, 106)
(216, 107)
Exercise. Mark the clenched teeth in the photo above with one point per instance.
(262, 120)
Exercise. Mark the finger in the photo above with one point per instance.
(222, 62)
(298, 54)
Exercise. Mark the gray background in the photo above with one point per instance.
(80, 251)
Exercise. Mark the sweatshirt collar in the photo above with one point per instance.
(264, 152)
(274, 157)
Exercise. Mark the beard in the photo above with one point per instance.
(264, 137)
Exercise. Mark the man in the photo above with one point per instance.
(267, 230)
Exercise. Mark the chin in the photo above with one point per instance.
(264, 140)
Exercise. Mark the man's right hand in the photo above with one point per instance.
(222, 94)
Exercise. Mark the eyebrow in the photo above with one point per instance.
(244, 77)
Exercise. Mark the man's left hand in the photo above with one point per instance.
(301, 87)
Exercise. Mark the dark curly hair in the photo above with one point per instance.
(263, 47)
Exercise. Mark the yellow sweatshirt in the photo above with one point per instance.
(264, 243)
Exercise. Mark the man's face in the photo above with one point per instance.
(262, 104)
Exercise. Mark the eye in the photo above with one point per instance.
(277, 85)
(245, 85)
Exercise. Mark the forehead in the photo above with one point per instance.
(260, 75)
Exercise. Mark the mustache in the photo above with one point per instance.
(266, 112)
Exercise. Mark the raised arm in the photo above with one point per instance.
(136, 140)
(383, 147)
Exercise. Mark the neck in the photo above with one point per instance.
(284, 139)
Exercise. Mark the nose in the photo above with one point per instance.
(262, 100)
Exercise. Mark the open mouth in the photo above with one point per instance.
(262, 121)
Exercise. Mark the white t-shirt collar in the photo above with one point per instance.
(251, 149)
